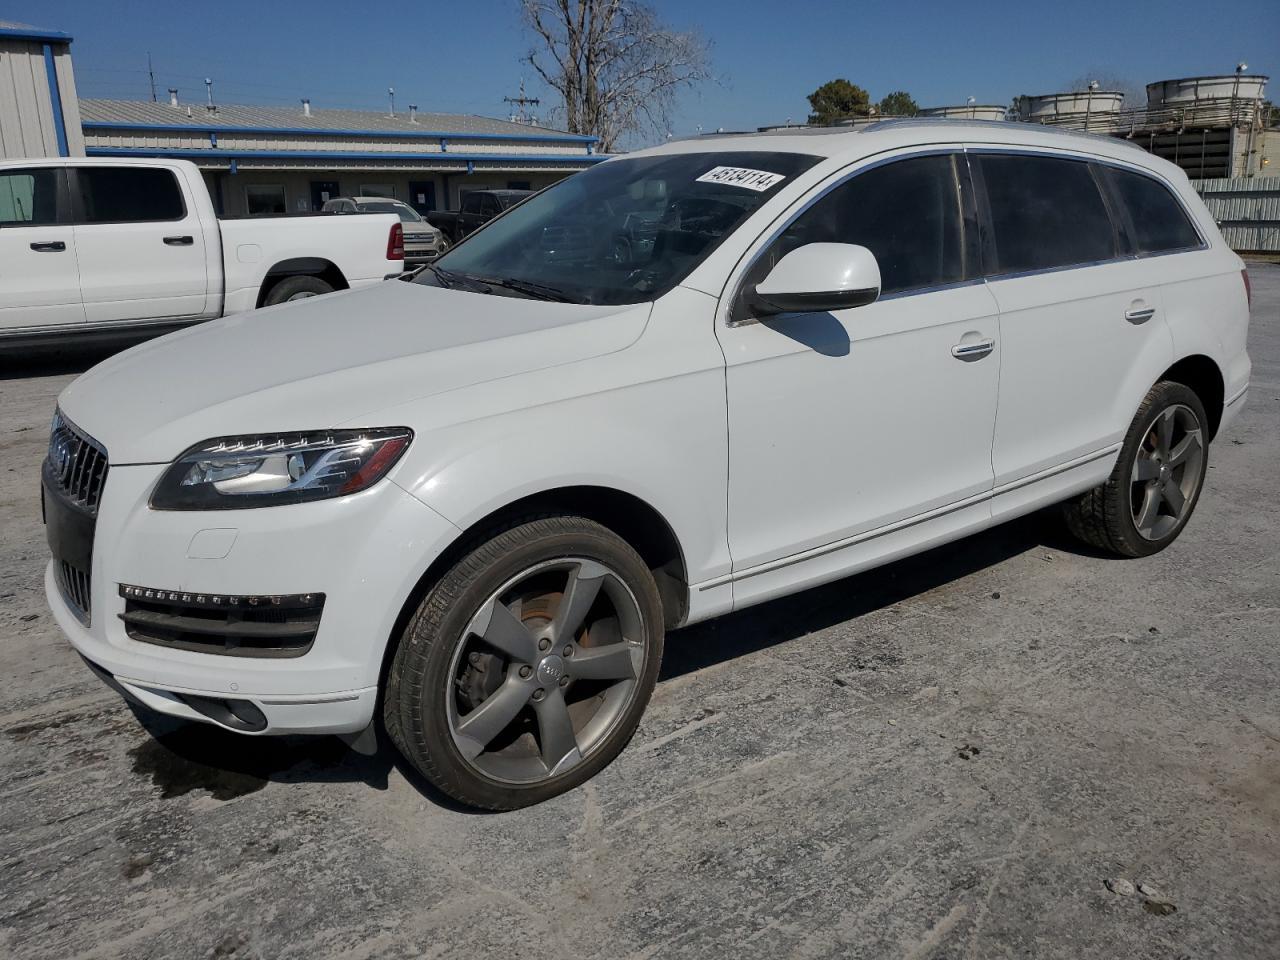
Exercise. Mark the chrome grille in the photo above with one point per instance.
(77, 463)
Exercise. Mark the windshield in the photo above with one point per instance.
(625, 231)
(405, 213)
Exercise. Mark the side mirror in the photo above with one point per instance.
(819, 277)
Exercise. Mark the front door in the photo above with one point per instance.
(141, 247)
(847, 423)
(39, 278)
(322, 191)
(422, 195)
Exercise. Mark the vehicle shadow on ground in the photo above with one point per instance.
(54, 362)
(788, 618)
(181, 757)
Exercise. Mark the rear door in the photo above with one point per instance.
(140, 245)
(39, 280)
(1079, 320)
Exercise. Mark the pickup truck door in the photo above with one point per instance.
(39, 283)
(140, 243)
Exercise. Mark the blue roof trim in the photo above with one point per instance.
(450, 157)
(206, 128)
(44, 36)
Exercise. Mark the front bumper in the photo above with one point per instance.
(365, 552)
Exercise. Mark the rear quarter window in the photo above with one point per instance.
(1046, 213)
(1158, 221)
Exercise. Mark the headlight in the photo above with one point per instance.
(235, 473)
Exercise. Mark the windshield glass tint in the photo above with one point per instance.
(407, 214)
(627, 230)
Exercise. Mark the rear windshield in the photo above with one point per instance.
(405, 213)
(625, 231)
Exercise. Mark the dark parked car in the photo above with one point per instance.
(478, 208)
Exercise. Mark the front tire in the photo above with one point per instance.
(1156, 483)
(527, 666)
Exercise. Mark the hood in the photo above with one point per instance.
(328, 361)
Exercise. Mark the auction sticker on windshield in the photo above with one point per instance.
(758, 180)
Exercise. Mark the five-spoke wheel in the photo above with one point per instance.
(528, 664)
(1156, 481)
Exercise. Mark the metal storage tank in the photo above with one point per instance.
(967, 111)
(1096, 108)
(39, 113)
(1187, 90)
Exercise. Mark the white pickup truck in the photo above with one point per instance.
(93, 249)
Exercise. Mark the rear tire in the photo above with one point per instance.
(296, 288)
(1156, 483)
(527, 666)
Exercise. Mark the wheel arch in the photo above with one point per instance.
(1203, 376)
(321, 267)
(633, 519)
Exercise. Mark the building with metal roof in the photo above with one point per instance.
(263, 160)
(274, 160)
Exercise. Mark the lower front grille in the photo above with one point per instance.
(74, 584)
(234, 626)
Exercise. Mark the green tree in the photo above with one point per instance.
(836, 100)
(898, 104)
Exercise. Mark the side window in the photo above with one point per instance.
(907, 213)
(29, 198)
(488, 206)
(1045, 213)
(1159, 222)
(471, 203)
(129, 195)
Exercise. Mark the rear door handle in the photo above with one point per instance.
(49, 246)
(1141, 315)
(185, 241)
(973, 351)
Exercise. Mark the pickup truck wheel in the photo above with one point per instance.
(526, 668)
(296, 288)
(1157, 479)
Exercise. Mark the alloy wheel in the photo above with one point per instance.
(1166, 472)
(545, 670)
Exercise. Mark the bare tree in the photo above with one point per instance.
(615, 65)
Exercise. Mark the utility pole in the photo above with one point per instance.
(152, 75)
(520, 116)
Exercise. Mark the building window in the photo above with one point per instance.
(519, 185)
(377, 190)
(264, 199)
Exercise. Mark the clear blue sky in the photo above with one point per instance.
(767, 54)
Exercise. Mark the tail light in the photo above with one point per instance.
(395, 242)
(1248, 287)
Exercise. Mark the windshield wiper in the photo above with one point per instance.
(537, 290)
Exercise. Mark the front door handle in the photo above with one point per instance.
(49, 246)
(1140, 315)
(973, 351)
(184, 241)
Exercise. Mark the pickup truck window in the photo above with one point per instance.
(471, 203)
(128, 195)
(625, 231)
(29, 198)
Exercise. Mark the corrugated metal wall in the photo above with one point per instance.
(1247, 210)
(27, 124)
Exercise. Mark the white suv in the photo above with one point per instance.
(686, 381)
